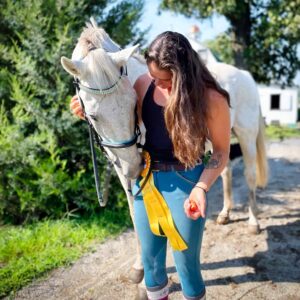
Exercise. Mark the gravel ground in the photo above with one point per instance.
(235, 264)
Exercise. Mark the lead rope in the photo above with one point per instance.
(92, 137)
(139, 145)
(95, 166)
(143, 184)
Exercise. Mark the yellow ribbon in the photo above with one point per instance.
(158, 212)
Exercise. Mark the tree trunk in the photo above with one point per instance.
(241, 27)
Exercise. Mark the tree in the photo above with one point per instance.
(45, 163)
(221, 48)
(265, 33)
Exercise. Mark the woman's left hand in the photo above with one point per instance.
(195, 205)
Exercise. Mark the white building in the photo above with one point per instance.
(279, 106)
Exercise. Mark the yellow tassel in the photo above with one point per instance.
(158, 212)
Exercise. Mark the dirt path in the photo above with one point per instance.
(235, 265)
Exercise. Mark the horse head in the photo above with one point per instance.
(109, 102)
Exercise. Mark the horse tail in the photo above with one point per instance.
(262, 168)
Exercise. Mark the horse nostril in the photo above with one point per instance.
(93, 117)
(117, 163)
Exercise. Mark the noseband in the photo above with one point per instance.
(94, 137)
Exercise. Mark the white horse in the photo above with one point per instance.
(247, 125)
(246, 119)
(109, 102)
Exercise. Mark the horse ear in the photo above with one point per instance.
(73, 67)
(121, 57)
(93, 22)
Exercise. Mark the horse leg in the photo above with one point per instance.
(248, 146)
(141, 291)
(136, 273)
(223, 217)
(250, 174)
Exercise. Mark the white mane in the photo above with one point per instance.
(96, 37)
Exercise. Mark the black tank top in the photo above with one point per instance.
(158, 142)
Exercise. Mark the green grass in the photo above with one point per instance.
(273, 132)
(280, 132)
(28, 252)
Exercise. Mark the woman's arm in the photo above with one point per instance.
(141, 85)
(218, 124)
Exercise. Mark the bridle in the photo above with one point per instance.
(107, 91)
(94, 137)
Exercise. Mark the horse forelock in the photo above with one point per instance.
(92, 37)
(102, 68)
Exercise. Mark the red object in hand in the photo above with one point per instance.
(193, 206)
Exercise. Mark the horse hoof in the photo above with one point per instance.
(222, 220)
(254, 229)
(135, 275)
(141, 294)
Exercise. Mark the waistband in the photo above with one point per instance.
(167, 166)
(161, 166)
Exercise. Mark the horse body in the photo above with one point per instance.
(246, 123)
(113, 115)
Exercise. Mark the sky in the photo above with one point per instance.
(175, 22)
(167, 20)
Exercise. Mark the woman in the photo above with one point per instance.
(181, 106)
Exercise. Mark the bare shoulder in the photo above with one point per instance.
(216, 102)
(143, 78)
(216, 98)
(141, 85)
(218, 121)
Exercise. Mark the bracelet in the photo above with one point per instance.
(200, 187)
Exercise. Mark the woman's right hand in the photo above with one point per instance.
(195, 205)
(76, 107)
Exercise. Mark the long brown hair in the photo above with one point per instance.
(186, 111)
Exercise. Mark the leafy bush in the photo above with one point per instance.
(45, 162)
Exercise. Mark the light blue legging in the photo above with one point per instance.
(175, 191)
